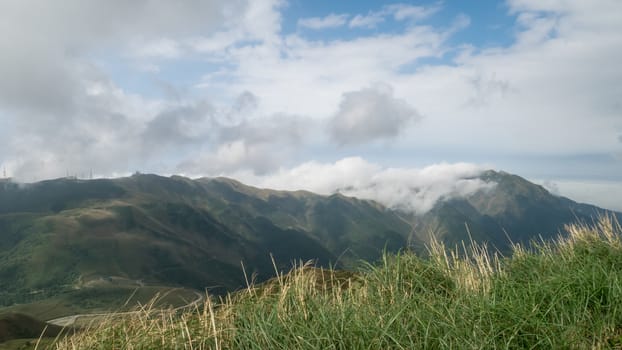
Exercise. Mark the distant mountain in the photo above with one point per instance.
(60, 235)
(513, 211)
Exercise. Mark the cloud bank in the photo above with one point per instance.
(409, 189)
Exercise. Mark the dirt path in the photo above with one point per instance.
(71, 320)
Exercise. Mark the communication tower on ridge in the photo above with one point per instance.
(4, 178)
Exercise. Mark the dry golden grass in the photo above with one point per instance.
(563, 294)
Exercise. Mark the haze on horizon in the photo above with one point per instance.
(319, 95)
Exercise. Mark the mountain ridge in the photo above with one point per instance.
(197, 233)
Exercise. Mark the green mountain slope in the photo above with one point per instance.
(59, 236)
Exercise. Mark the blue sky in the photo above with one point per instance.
(491, 24)
(298, 94)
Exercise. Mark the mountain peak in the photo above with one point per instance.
(178, 231)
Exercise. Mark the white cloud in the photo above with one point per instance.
(227, 157)
(486, 88)
(243, 21)
(330, 21)
(554, 95)
(216, 43)
(305, 77)
(370, 114)
(159, 48)
(554, 91)
(403, 12)
(399, 12)
(370, 20)
(409, 189)
(62, 112)
(258, 146)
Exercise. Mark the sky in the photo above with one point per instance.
(362, 97)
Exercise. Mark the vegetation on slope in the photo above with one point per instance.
(561, 294)
(55, 235)
(17, 326)
(58, 235)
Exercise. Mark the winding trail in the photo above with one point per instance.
(67, 321)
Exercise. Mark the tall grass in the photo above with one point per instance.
(565, 294)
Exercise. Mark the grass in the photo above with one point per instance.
(565, 294)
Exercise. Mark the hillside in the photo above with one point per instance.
(62, 234)
(563, 294)
(60, 237)
(18, 326)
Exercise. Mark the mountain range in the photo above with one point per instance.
(69, 235)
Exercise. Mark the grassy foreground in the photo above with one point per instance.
(564, 294)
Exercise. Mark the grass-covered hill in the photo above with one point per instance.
(70, 241)
(564, 294)
(64, 234)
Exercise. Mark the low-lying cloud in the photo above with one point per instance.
(409, 189)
